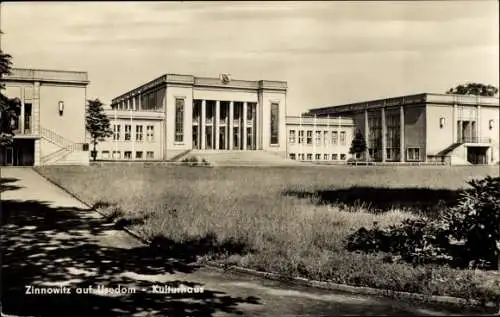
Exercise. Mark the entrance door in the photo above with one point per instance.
(9, 156)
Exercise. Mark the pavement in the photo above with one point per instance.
(52, 243)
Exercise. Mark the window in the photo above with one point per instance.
(334, 137)
(302, 156)
(274, 123)
(325, 137)
(342, 137)
(179, 120)
(128, 155)
(105, 155)
(292, 156)
(150, 135)
(138, 155)
(309, 156)
(116, 132)
(342, 157)
(325, 157)
(317, 157)
(301, 137)
(116, 155)
(291, 136)
(388, 153)
(414, 154)
(128, 132)
(335, 157)
(138, 133)
(318, 137)
(309, 137)
(150, 155)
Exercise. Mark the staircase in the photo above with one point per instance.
(242, 158)
(66, 147)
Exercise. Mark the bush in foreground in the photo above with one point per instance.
(466, 235)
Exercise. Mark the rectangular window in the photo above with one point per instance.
(334, 137)
(335, 157)
(292, 156)
(150, 135)
(302, 156)
(138, 133)
(138, 155)
(309, 137)
(309, 156)
(325, 157)
(342, 138)
(179, 120)
(413, 154)
(301, 137)
(150, 155)
(128, 155)
(342, 157)
(275, 123)
(105, 155)
(116, 155)
(317, 157)
(318, 137)
(291, 137)
(325, 137)
(116, 132)
(128, 132)
(388, 153)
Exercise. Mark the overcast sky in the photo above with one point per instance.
(328, 52)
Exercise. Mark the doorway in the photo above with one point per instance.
(477, 155)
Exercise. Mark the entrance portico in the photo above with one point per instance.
(224, 125)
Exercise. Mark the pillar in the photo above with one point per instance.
(244, 118)
(384, 132)
(455, 122)
(367, 133)
(35, 111)
(230, 129)
(203, 123)
(402, 150)
(217, 124)
(21, 118)
(478, 122)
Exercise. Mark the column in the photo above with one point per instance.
(454, 122)
(478, 122)
(244, 118)
(35, 110)
(230, 129)
(367, 133)
(203, 123)
(402, 150)
(257, 127)
(384, 132)
(217, 124)
(21, 118)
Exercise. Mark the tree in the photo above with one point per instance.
(358, 144)
(97, 123)
(475, 89)
(10, 108)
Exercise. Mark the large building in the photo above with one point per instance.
(454, 129)
(174, 114)
(51, 126)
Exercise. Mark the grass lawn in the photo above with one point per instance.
(289, 220)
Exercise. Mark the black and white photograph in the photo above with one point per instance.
(249, 158)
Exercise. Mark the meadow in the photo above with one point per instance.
(289, 220)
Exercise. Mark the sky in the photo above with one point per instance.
(329, 52)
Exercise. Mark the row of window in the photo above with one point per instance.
(321, 137)
(139, 132)
(317, 156)
(117, 155)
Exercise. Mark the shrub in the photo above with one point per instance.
(465, 235)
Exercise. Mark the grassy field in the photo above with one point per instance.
(290, 220)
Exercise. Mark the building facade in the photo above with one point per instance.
(455, 129)
(174, 114)
(324, 139)
(51, 126)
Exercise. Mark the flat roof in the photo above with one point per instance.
(410, 100)
(47, 75)
(200, 82)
